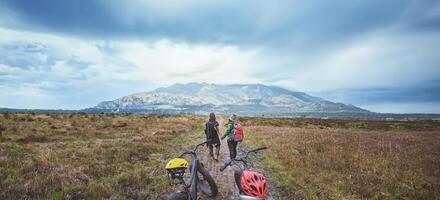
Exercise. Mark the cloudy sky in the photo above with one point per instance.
(381, 55)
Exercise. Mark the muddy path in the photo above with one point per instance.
(225, 180)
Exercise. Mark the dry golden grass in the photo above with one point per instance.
(422, 125)
(92, 156)
(96, 156)
(315, 162)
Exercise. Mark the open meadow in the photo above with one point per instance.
(109, 156)
(88, 156)
(344, 159)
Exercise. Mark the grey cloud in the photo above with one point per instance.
(33, 60)
(291, 36)
(222, 21)
(423, 16)
(381, 95)
(22, 54)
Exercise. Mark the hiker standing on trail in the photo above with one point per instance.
(211, 132)
(234, 134)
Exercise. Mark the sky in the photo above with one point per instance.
(380, 55)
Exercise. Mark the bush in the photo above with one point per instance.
(7, 115)
(30, 138)
(127, 179)
(2, 128)
(96, 190)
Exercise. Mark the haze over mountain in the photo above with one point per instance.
(237, 98)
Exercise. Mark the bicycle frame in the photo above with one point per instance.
(243, 159)
(194, 165)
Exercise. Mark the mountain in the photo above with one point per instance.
(200, 98)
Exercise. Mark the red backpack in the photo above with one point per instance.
(237, 132)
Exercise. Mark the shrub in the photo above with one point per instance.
(97, 190)
(30, 138)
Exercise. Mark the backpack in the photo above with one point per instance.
(237, 132)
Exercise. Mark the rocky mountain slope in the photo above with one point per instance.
(237, 98)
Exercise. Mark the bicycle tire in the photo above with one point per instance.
(193, 194)
(178, 196)
(209, 189)
(237, 177)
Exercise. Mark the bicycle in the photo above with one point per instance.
(176, 170)
(251, 184)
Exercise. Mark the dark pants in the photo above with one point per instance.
(211, 149)
(232, 145)
(214, 141)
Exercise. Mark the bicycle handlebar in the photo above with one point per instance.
(192, 151)
(227, 163)
(242, 159)
(201, 144)
(257, 149)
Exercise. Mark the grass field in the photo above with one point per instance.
(104, 156)
(92, 156)
(337, 159)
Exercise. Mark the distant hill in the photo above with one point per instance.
(200, 98)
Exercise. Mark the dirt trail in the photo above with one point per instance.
(225, 180)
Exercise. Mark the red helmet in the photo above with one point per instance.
(254, 184)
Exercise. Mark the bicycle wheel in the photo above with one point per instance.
(194, 186)
(178, 196)
(237, 177)
(206, 183)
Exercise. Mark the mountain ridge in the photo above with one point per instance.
(224, 98)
